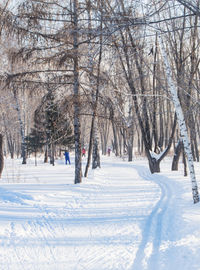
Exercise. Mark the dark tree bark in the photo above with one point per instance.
(46, 154)
(94, 141)
(184, 163)
(77, 130)
(95, 154)
(177, 154)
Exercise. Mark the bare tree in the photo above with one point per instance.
(181, 121)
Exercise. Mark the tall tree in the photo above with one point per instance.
(77, 131)
(181, 121)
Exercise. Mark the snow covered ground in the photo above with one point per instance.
(121, 217)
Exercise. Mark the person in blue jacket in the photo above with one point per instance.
(67, 157)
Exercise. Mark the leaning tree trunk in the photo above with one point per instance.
(90, 147)
(181, 121)
(1, 155)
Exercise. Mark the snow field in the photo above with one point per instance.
(121, 217)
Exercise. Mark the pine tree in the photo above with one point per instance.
(53, 123)
(34, 142)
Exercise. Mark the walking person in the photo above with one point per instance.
(83, 152)
(67, 159)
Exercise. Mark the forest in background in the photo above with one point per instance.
(99, 74)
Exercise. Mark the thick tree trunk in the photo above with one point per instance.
(154, 165)
(130, 153)
(177, 154)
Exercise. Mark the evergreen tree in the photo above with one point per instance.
(53, 123)
(34, 142)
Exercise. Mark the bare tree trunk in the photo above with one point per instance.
(10, 140)
(46, 154)
(184, 164)
(35, 158)
(94, 140)
(77, 130)
(115, 139)
(52, 154)
(181, 121)
(89, 149)
(104, 132)
(130, 147)
(177, 154)
(23, 144)
(11, 145)
(95, 154)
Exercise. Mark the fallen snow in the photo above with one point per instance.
(121, 217)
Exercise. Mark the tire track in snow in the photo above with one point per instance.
(147, 256)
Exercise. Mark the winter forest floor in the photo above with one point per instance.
(121, 217)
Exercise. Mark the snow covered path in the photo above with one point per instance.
(121, 217)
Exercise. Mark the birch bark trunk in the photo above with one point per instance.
(181, 121)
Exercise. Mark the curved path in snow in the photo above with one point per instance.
(154, 227)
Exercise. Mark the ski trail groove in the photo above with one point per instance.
(152, 232)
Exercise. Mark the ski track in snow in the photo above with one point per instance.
(153, 229)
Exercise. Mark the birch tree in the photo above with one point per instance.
(181, 121)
